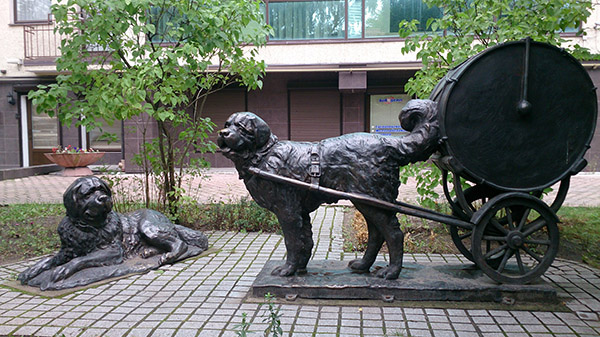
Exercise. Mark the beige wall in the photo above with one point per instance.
(371, 52)
(11, 42)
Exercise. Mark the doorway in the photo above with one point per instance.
(43, 135)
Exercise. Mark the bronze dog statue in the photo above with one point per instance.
(360, 163)
(94, 237)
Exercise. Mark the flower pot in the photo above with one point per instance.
(75, 164)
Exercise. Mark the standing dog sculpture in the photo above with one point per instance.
(360, 163)
(98, 243)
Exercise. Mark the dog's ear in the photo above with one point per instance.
(104, 187)
(257, 127)
(70, 196)
(262, 132)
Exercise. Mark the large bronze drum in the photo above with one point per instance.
(517, 117)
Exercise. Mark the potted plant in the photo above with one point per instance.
(74, 159)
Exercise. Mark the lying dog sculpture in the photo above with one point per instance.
(97, 243)
(360, 163)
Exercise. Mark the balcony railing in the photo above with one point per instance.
(41, 44)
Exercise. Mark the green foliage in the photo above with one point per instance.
(244, 215)
(467, 27)
(273, 318)
(243, 329)
(111, 70)
(428, 177)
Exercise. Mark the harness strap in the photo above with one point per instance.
(315, 165)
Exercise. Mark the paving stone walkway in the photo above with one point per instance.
(206, 296)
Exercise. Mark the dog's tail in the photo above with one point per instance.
(420, 118)
(192, 237)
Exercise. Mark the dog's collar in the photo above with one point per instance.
(258, 158)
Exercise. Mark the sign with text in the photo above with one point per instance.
(384, 114)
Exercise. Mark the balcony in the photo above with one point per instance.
(41, 43)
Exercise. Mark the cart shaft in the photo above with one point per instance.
(366, 199)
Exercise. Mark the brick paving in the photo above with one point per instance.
(206, 296)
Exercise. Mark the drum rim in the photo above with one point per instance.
(443, 95)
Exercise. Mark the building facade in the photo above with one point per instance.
(333, 67)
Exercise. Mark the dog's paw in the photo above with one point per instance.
(61, 273)
(359, 266)
(24, 277)
(167, 258)
(284, 270)
(389, 272)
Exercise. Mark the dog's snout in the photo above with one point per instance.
(224, 132)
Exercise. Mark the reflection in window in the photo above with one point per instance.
(354, 19)
(298, 20)
(166, 21)
(32, 10)
(108, 137)
(382, 17)
(44, 130)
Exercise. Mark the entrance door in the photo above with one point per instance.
(43, 135)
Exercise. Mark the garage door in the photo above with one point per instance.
(314, 114)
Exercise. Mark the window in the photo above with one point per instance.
(299, 20)
(343, 19)
(382, 17)
(32, 10)
(166, 21)
(107, 138)
(44, 130)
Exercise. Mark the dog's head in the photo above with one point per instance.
(244, 133)
(418, 112)
(88, 202)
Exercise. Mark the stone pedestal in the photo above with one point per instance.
(327, 279)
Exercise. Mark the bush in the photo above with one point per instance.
(244, 215)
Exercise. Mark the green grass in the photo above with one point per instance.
(29, 230)
(580, 228)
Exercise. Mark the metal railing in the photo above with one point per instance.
(41, 43)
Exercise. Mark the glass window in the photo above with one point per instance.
(382, 17)
(166, 22)
(108, 137)
(44, 130)
(299, 20)
(354, 19)
(32, 10)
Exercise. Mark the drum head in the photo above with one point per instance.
(491, 141)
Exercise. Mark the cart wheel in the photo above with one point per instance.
(524, 234)
(475, 197)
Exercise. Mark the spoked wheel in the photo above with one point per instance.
(475, 198)
(524, 237)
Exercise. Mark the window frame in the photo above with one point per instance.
(16, 20)
(344, 39)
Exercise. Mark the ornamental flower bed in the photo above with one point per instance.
(71, 157)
